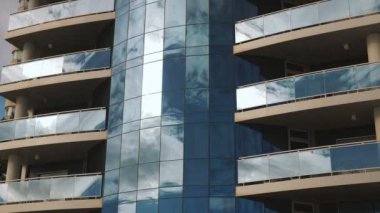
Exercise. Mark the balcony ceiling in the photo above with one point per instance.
(318, 114)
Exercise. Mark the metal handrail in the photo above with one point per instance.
(58, 56)
(56, 113)
(42, 6)
(311, 148)
(53, 177)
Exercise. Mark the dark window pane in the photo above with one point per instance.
(173, 102)
(174, 74)
(197, 35)
(221, 205)
(197, 75)
(171, 205)
(150, 206)
(196, 172)
(197, 100)
(175, 38)
(110, 204)
(220, 172)
(197, 11)
(195, 205)
(222, 144)
(196, 141)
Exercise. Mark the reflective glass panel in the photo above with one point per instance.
(172, 143)
(276, 23)
(363, 7)
(154, 16)
(92, 120)
(167, 178)
(175, 13)
(253, 169)
(149, 145)
(280, 91)
(148, 176)
(62, 188)
(136, 22)
(283, 165)
(88, 186)
(197, 11)
(152, 78)
(197, 35)
(132, 110)
(46, 125)
(154, 42)
(128, 179)
(252, 96)
(24, 128)
(340, 80)
(304, 16)
(249, 29)
(3, 193)
(309, 85)
(133, 82)
(151, 105)
(197, 75)
(175, 38)
(333, 10)
(129, 148)
(315, 162)
(17, 191)
(38, 190)
(67, 123)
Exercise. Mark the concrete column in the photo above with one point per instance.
(21, 109)
(28, 51)
(373, 47)
(13, 168)
(24, 170)
(377, 122)
(32, 4)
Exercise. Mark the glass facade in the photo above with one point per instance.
(171, 145)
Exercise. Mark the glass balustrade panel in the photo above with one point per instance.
(62, 188)
(364, 7)
(309, 85)
(277, 23)
(7, 131)
(55, 12)
(38, 190)
(252, 96)
(68, 123)
(46, 125)
(17, 191)
(92, 120)
(340, 80)
(280, 91)
(314, 162)
(333, 10)
(283, 166)
(253, 169)
(304, 16)
(3, 192)
(249, 29)
(24, 128)
(88, 186)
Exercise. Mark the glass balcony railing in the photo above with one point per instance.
(54, 124)
(316, 84)
(77, 62)
(59, 11)
(304, 16)
(52, 188)
(317, 161)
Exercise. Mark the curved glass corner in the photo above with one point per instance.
(317, 161)
(55, 188)
(304, 16)
(54, 124)
(316, 84)
(59, 11)
(77, 62)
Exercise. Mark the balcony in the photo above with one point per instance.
(332, 96)
(91, 120)
(303, 34)
(319, 174)
(319, 13)
(58, 11)
(65, 64)
(66, 188)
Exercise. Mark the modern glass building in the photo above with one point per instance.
(192, 106)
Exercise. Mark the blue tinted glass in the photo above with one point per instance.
(154, 16)
(175, 13)
(196, 172)
(309, 85)
(196, 191)
(222, 141)
(167, 178)
(174, 74)
(127, 207)
(171, 205)
(128, 197)
(119, 53)
(196, 141)
(171, 192)
(197, 35)
(222, 100)
(197, 75)
(117, 88)
(136, 22)
(222, 191)
(222, 11)
(121, 29)
(113, 153)
(195, 205)
(150, 145)
(221, 34)
(128, 179)
(150, 206)
(110, 204)
(197, 11)
(129, 148)
(148, 176)
(221, 205)
(222, 75)
(133, 82)
(111, 182)
(220, 172)
(172, 143)
(197, 100)
(132, 109)
(135, 47)
(173, 102)
(175, 38)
